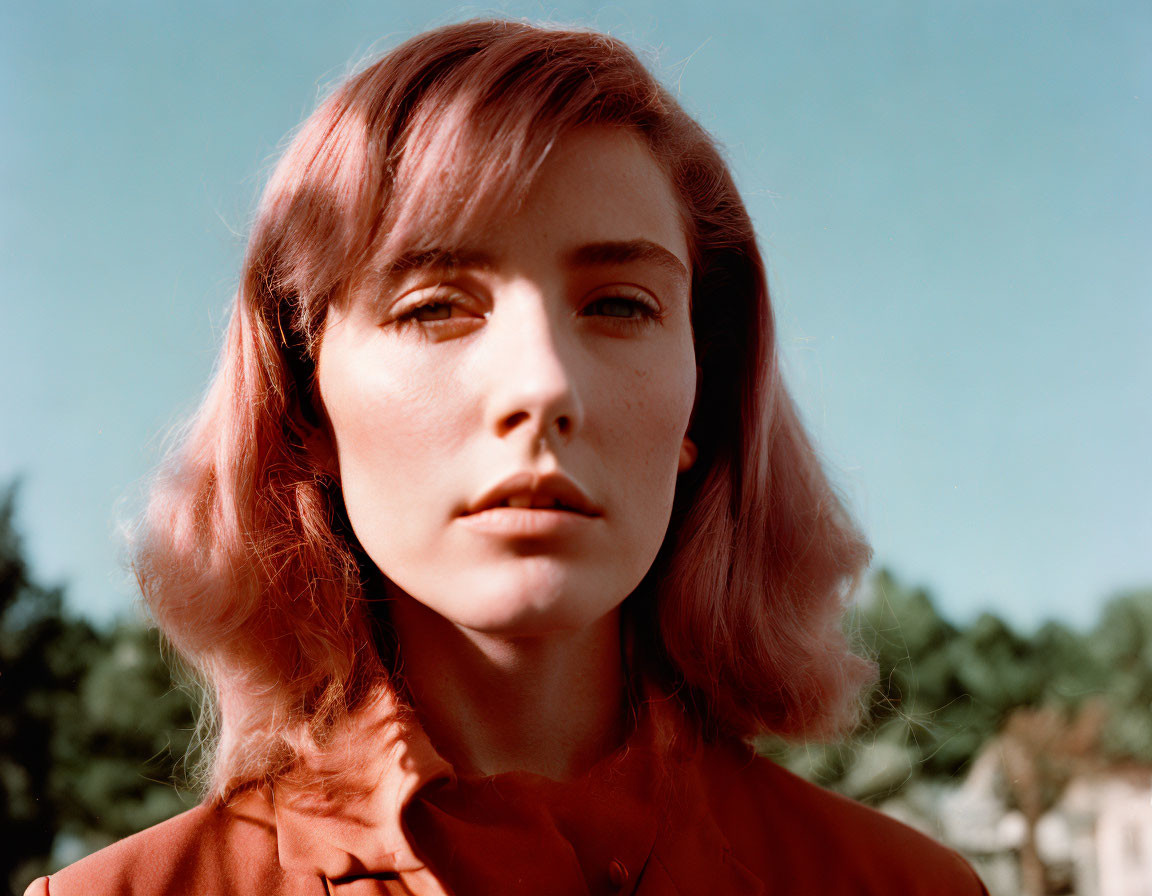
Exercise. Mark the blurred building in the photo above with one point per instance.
(1095, 841)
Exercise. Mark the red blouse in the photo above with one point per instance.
(666, 814)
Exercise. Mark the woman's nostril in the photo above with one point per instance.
(514, 420)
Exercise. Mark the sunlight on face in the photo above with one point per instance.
(509, 420)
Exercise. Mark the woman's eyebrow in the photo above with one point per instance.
(609, 252)
(381, 280)
(624, 251)
(439, 258)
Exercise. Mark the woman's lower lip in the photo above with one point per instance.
(527, 522)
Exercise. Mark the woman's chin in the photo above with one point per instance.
(523, 597)
(526, 616)
(526, 608)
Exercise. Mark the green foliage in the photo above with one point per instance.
(120, 769)
(943, 691)
(42, 660)
(90, 724)
(1121, 648)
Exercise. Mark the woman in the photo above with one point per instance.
(497, 533)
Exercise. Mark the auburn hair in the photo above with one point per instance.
(244, 555)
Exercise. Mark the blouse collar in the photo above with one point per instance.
(346, 820)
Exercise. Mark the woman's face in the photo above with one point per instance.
(509, 415)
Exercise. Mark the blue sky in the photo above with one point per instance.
(955, 201)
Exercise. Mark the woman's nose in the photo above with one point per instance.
(535, 384)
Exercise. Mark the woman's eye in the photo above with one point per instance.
(437, 310)
(620, 307)
(429, 311)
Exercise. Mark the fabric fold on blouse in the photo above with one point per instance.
(346, 820)
(381, 801)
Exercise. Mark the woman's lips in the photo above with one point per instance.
(530, 490)
(528, 522)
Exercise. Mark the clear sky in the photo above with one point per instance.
(955, 200)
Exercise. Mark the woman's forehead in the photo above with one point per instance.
(604, 179)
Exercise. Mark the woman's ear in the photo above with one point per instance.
(688, 452)
(688, 449)
(318, 443)
(311, 425)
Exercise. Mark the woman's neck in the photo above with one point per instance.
(552, 704)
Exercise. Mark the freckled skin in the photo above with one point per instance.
(525, 374)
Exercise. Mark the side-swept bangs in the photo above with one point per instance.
(244, 556)
(432, 142)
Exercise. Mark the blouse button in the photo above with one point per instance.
(617, 873)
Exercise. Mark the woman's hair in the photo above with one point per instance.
(245, 557)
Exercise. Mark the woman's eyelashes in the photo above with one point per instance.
(450, 313)
(623, 308)
(431, 311)
(440, 313)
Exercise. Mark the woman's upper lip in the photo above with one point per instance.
(551, 486)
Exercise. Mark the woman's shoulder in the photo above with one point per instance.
(785, 831)
(209, 849)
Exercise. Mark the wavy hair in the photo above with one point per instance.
(244, 555)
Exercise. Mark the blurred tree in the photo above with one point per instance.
(43, 656)
(918, 689)
(994, 674)
(1040, 750)
(1064, 666)
(90, 725)
(117, 775)
(919, 717)
(1121, 649)
(944, 691)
